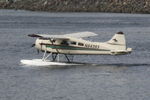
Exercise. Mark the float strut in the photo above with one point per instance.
(54, 57)
(67, 58)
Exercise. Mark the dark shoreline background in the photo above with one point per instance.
(116, 6)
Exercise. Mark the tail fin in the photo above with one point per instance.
(118, 40)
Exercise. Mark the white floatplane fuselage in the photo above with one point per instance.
(78, 46)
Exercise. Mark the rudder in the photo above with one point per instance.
(118, 40)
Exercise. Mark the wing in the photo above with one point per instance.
(66, 36)
(80, 34)
(46, 36)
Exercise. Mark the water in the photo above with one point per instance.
(101, 77)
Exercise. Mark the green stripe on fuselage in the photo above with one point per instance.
(73, 48)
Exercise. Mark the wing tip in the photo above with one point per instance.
(34, 35)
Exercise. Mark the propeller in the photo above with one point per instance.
(33, 45)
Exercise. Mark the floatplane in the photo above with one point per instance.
(74, 44)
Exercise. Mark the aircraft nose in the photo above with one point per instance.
(38, 43)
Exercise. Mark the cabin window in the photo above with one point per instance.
(80, 44)
(72, 42)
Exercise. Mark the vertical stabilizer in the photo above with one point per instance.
(118, 40)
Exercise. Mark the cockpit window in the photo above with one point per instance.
(64, 42)
(53, 41)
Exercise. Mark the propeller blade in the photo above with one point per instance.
(38, 51)
(33, 45)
